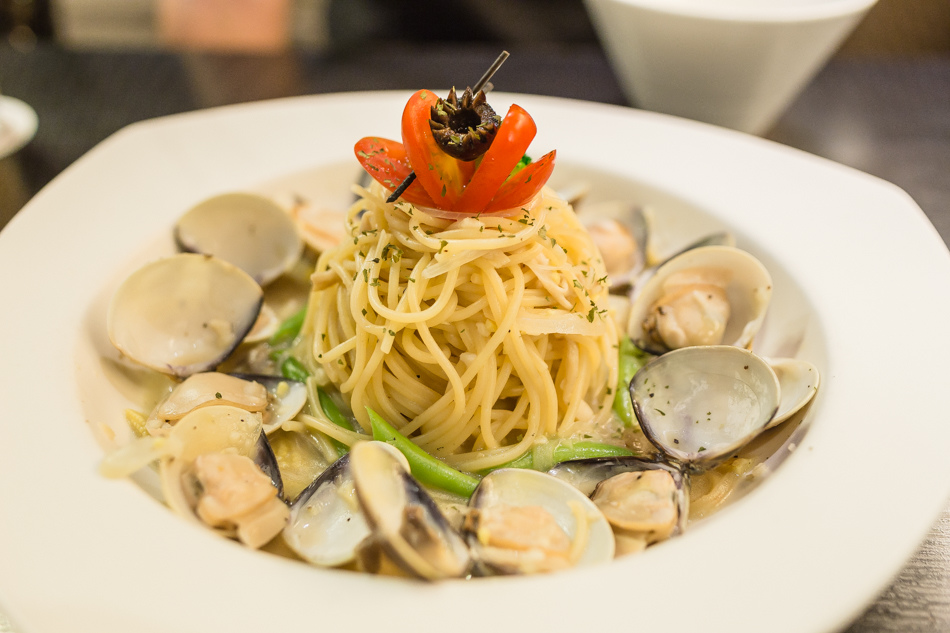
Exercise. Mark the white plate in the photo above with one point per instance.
(803, 552)
(17, 125)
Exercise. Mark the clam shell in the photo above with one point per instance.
(517, 487)
(746, 282)
(250, 231)
(587, 474)
(699, 404)
(799, 381)
(287, 398)
(722, 238)
(326, 524)
(205, 430)
(183, 314)
(405, 520)
(621, 232)
(211, 388)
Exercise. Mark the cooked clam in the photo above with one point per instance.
(644, 501)
(700, 404)
(799, 381)
(264, 327)
(620, 232)
(205, 389)
(218, 473)
(279, 399)
(710, 295)
(250, 231)
(183, 314)
(326, 523)
(524, 521)
(721, 238)
(286, 398)
(407, 525)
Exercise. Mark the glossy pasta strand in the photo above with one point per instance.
(421, 319)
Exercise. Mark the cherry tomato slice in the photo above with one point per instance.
(387, 163)
(514, 136)
(440, 175)
(524, 185)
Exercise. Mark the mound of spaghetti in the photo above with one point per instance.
(476, 337)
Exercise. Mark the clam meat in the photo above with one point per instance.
(644, 501)
(710, 295)
(525, 521)
(218, 474)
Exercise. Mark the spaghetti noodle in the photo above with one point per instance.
(476, 337)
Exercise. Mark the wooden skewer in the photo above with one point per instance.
(479, 85)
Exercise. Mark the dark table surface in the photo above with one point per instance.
(889, 117)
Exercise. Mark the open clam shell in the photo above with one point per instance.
(407, 525)
(279, 399)
(207, 389)
(521, 521)
(326, 523)
(222, 473)
(250, 231)
(721, 238)
(705, 296)
(799, 381)
(183, 314)
(654, 508)
(621, 232)
(286, 398)
(699, 404)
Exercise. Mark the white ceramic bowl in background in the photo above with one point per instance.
(735, 63)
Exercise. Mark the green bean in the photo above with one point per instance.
(426, 468)
(336, 416)
(630, 360)
(288, 329)
(332, 411)
(544, 456)
(294, 370)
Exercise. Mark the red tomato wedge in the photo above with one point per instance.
(441, 175)
(524, 185)
(511, 142)
(387, 162)
(453, 187)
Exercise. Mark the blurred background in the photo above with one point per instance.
(892, 27)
